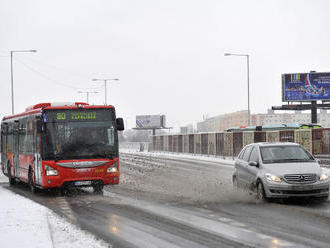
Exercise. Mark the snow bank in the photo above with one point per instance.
(210, 158)
(25, 223)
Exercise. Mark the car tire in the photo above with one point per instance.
(261, 192)
(235, 183)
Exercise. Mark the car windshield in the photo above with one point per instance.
(284, 154)
(71, 140)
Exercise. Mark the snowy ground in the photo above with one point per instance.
(221, 160)
(25, 223)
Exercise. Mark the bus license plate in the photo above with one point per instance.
(82, 183)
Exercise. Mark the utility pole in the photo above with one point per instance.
(12, 74)
(105, 80)
(87, 94)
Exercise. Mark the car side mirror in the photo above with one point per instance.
(120, 124)
(253, 163)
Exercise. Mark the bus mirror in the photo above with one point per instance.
(39, 126)
(120, 124)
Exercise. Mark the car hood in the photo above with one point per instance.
(293, 168)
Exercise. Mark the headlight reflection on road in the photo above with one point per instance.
(113, 224)
(274, 243)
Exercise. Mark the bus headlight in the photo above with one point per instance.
(50, 171)
(113, 168)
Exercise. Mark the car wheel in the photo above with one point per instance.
(261, 192)
(235, 184)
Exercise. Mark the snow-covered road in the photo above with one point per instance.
(162, 201)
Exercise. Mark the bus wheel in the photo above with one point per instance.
(98, 188)
(33, 188)
(11, 180)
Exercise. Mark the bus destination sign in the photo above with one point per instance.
(78, 115)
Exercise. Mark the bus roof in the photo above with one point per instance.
(37, 108)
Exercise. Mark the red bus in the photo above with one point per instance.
(60, 145)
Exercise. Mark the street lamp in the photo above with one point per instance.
(87, 94)
(105, 80)
(248, 78)
(12, 73)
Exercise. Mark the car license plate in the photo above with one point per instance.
(82, 183)
(302, 187)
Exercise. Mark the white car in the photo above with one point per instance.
(280, 170)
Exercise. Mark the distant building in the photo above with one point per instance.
(187, 129)
(239, 119)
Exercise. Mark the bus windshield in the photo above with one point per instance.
(79, 140)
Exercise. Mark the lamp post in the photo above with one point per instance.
(248, 78)
(12, 73)
(87, 94)
(105, 80)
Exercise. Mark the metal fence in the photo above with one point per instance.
(316, 141)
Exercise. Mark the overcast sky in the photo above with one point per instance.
(168, 55)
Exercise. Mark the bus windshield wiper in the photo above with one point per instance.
(102, 155)
(57, 157)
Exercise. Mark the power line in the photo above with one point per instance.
(40, 62)
(45, 76)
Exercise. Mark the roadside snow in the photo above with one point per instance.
(211, 158)
(25, 223)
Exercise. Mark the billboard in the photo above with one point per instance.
(299, 87)
(150, 121)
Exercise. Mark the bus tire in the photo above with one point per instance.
(32, 186)
(98, 188)
(10, 179)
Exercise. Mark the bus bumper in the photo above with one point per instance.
(80, 177)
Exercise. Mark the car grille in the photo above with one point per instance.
(300, 178)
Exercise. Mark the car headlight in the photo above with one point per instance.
(324, 176)
(50, 171)
(273, 178)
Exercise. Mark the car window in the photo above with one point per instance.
(254, 155)
(285, 154)
(247, 153)
(241, 154)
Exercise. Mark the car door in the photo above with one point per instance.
(252, 171)
(242, 167)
